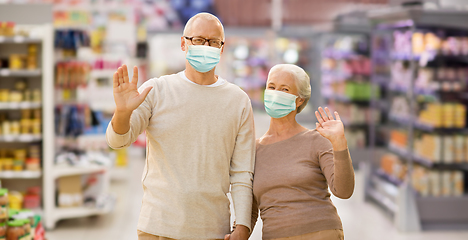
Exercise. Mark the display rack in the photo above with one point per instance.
(419, 176)
(81, 151)
(40, 30)
(345, 86)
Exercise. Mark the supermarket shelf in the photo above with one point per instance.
(431, 56)
(345, 75)
(391, 179)
(443, 166)
(382, 199)
(424, 127)
(404, 56)
(20, 73)
(438, 209)
(355, 125)
(102, 73)
(346, 99)
(405, 121)
(19, 105)
(20, 174)
(336, 74)
(76, 212)
(428, 128)
(380, 54)
(339, 55)
(19, 39)
(397, 89)
(402, 153)
(61, 171)
(21, 138)
(382, 80)
(380, 104)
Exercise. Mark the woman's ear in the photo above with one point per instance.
(299, 102)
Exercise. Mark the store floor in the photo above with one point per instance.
(361, 220)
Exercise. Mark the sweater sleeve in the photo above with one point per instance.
(255, 212)
(138, 122)
(338, 169)
(241, 169)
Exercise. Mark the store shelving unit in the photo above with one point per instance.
(41, 78)
(338, 73)
(41, 22)
(412, 208)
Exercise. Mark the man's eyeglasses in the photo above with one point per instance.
(201, 41)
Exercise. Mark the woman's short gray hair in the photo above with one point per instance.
(302, 81)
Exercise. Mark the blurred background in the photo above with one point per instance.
(395, 70)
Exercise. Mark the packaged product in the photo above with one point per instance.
(458, 183)
(435, 183)
(3, 230)
(33, 164)
(16, 200)
(15, 127)
(18, 165)
(447, 184)
(420, 180)
(466, 148)
(3, 204)
(449, 115)
(449, 149)
(15, 230)
(16, 61)
(7, 164)
(459, 148)
(460, 115)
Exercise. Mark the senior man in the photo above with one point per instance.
(200, 142)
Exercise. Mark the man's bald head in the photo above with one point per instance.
(206, 17)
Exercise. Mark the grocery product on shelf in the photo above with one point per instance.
(7, 29)
(67, 42)
(15, 222)
(20, 159)
(426, 182)
(443, 115)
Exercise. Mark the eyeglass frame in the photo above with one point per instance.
(205, 40)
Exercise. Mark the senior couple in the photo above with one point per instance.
(201, 146)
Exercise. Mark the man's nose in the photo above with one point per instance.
(207, 43)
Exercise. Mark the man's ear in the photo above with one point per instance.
(182, 43)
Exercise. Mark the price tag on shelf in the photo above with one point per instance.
(2, 39)
(4, 72)
(18, 39)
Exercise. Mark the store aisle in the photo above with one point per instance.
(361, 220)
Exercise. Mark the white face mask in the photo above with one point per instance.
(279, 104)
(203, 58)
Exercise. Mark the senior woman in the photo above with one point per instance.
(295, 166)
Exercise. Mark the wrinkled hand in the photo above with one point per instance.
(126, 95)
(240, 233)
(328, 127)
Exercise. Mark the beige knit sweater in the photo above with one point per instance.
(291, 184)
(200, 142)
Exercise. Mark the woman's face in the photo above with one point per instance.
(284, 82)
